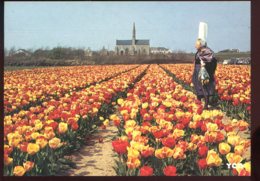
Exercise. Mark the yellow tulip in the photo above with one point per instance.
(34, 135)
(164, 152)
(42, 142)
(106, 122)
(63, 127)
(132, 153)
(32, 148)
(145, 105)
(247, 166)
(136, 133)
(234, 158)
(213, 158)
(177, 133)
(138, 146)
(19, 171)
(130, 123)
(192, 146)
(28, 165)
(233, 140)
(239, 149)
(55, 143)
(167, 103)
(133, 162)
(178, 153)
(224, 148)
(120, 101)
(8, 160)
(212, 127)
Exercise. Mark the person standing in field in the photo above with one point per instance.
(204, 60)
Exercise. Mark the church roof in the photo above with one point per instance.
(142, 42)
(123, 42)
(129, 42)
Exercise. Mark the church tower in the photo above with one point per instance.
(133, 38)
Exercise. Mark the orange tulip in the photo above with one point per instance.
(19, 171)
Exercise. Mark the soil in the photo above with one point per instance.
(97, 158)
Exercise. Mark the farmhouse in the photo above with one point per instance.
(160, 50)
(22, 52)
(132, 47)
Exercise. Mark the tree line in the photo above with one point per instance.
(62, 56)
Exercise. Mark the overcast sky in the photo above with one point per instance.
(172, 25)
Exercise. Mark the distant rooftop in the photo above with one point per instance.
(159, 48)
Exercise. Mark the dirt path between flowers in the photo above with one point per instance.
(97, 157)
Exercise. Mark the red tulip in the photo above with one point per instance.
(185, 121)
(244, 173)
(220, 137)
(184, 99)
(148, 152)
(200, 110)
(158, 134)
(203, 127)
(202, 163)
(54, 125)
(120, 146)
(146, 171)
(23, 147)
(74, 126)
(203, 150)
(179, 126)
(234, 171)
(169, 171)
(169, 142)
(235, 102)
(116, 122)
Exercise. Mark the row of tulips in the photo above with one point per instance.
(233, 85)
(24, 87)
(36, 140)
(163, 130)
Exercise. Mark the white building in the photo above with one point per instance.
(160, 50)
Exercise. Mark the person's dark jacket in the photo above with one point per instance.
(207, 56)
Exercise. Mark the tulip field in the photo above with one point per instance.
(162, 129)
(233, 85)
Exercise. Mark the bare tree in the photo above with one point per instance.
(12, 51)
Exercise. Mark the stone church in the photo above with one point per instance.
(132, 47)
